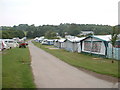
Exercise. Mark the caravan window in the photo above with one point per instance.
(96, 46)
(10, 41)
(87, 46)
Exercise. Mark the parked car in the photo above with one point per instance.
(23, 45)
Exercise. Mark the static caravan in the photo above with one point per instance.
(62, 43)
(3, 45)
(47, 42)
(50, 42)
(11, 43)
(96, 44)
(17, 40)
(72, 44)
(56, 42)
(36, 39)
(41, 39)
(44, 42)
(69, 45)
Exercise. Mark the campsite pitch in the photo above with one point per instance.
(94, 64)
(51, 72)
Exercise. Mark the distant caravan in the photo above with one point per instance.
(3, 45)
(11, 43)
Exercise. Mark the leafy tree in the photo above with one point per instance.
(50, 34)
(114, 37)
(12, 33)
(29, 34)
(5, 35)
(72, 29)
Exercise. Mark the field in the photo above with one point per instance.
(0, 70)
(95, 64)
(16, 70)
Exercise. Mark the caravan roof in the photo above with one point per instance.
(76, 39)
(103, 37)
(50, 40)
(8, 39)
(100, 37)
(61, 40)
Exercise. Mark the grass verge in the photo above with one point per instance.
(95, 64)
(16, 70)
(0, 70)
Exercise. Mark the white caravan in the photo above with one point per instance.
(3, 45)
(11, 43)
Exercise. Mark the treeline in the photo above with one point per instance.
(33, 31)
(12, 33)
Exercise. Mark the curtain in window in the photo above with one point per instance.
(96, 47)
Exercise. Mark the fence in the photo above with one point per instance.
(116, 53)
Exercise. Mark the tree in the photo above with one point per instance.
(29, 34)
(113, 39)
(72, 29)
(50, 34)
(6, 34)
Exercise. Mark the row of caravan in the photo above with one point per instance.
(44, 41)
(99, 45)
(8, 44)
(11, 43)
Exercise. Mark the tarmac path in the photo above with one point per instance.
(50, 72)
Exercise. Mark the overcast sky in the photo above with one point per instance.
(54, 12)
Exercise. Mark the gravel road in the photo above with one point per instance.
(50, 72)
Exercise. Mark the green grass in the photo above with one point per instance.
(16, 70)
(99, 65)
(0, 70)
(27, 40)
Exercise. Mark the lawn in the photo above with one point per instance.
(0, 70)
(95, 64)
(16, 70)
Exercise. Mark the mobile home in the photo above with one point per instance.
(62, 43)
(96, 44)
(11, 43)
(56, 42)
(3, 45)
(72, 44)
